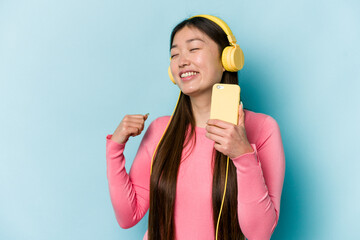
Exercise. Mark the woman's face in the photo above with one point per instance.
(195, 62)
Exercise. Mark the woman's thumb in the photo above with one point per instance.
(146, 116)
(241, 114)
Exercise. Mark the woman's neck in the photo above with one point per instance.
(201, 109)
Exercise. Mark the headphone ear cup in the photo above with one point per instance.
(232, 58)
(171, 76)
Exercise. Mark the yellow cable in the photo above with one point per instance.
(152, 159)
(222, 202)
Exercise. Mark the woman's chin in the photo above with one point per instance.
(189, 92)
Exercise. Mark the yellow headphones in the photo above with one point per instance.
(232, 57)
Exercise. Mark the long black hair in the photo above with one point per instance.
(167, 159)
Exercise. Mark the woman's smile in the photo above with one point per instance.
(188, 75)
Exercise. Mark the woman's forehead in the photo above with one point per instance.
(189, 34)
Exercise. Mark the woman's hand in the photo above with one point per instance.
(230, 139)
(131, 125)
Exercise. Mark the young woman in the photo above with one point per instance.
(179, 170)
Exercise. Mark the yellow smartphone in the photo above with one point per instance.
(225, 102)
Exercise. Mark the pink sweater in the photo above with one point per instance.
(260, 177)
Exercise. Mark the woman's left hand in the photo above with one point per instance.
(230, 139)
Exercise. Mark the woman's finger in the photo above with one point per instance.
(135, 119)
(214, 129)
(216, 138)
(241, 117)
(219, 123)
(139, 126)
(221, 148)
(134, 131)
(140, 116)
(132, 123)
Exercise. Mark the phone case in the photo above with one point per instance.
(225, 102)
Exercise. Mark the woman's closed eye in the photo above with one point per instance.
(191, 50)
(173, 55)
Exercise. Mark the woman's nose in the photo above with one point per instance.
(183, 60)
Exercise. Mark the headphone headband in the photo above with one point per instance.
(222, 24)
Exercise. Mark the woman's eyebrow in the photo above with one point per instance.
(194, 39)
(188, 41)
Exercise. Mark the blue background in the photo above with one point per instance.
(70, 71)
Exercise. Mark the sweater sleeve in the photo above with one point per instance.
(260, 177)
(129, 193)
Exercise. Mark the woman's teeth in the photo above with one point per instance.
(187, 74)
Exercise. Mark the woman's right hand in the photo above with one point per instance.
(131, 125)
